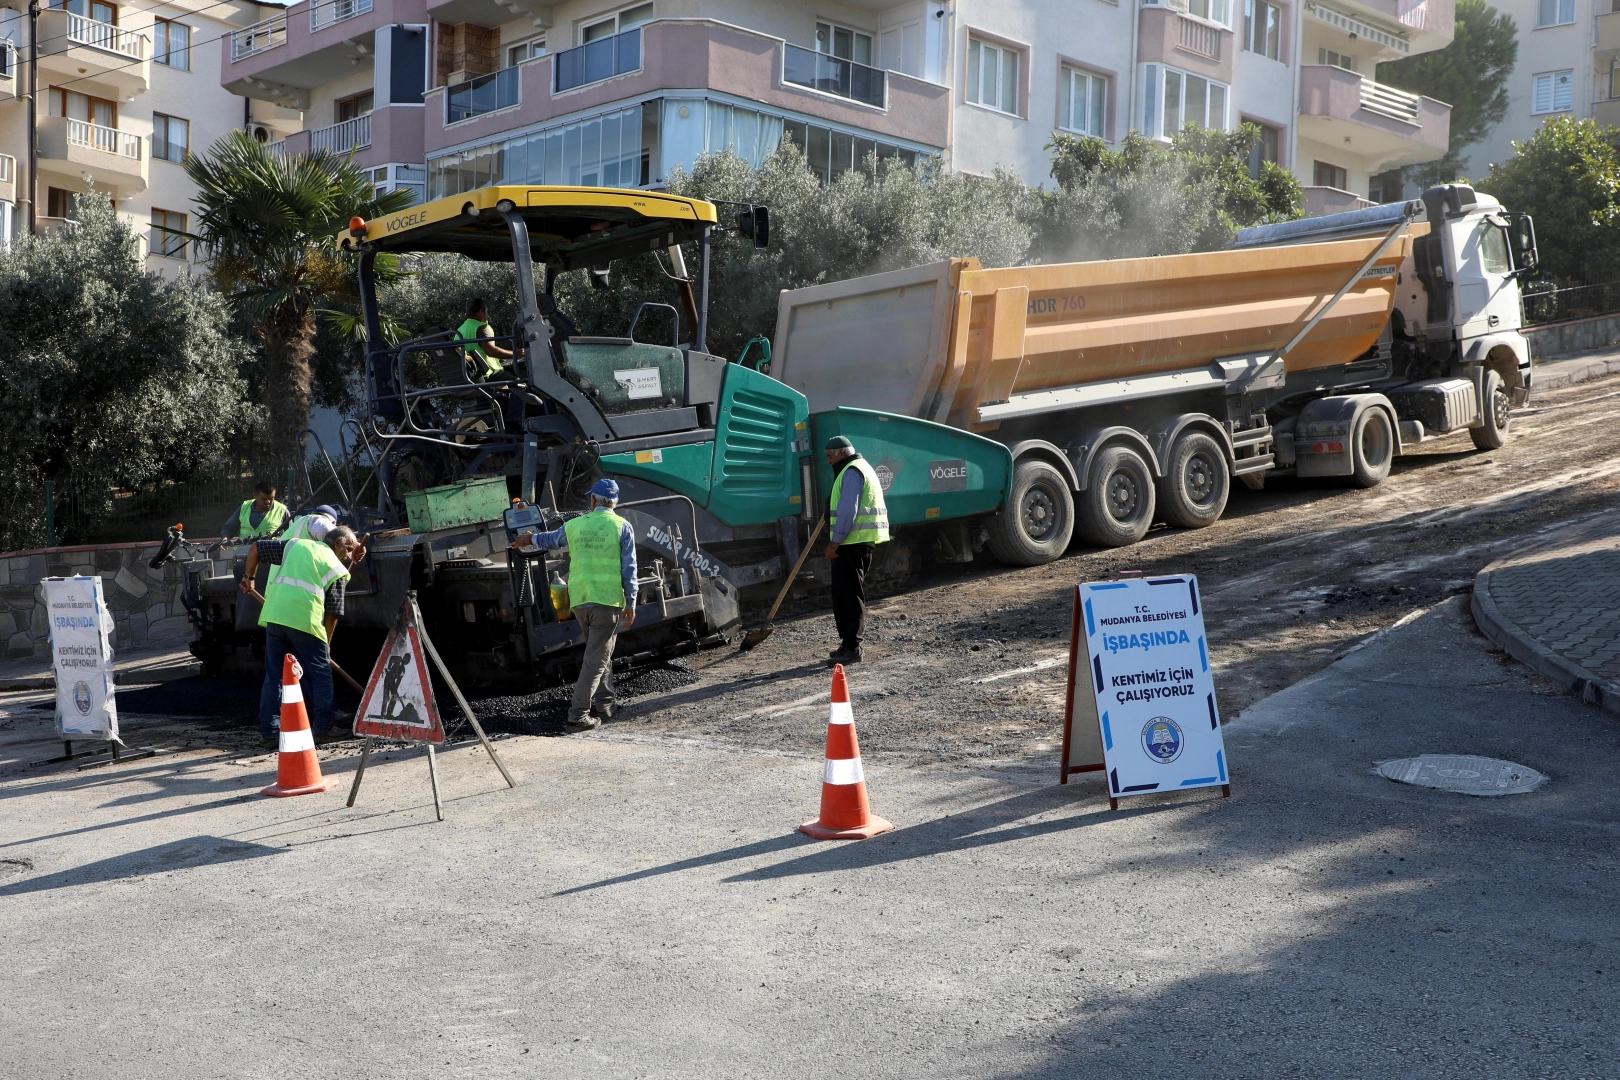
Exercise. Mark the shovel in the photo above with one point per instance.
(759, 633)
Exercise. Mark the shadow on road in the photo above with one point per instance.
(177, 855)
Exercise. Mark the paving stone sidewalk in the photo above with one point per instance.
(1555, 606)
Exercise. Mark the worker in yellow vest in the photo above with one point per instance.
(260, 516)
(486, 356)
(302, 605)
(601, 590)
(860, 522)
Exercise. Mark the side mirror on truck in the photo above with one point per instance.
(1521, 234)
(755, 224)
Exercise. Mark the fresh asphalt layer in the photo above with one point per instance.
(641, 906)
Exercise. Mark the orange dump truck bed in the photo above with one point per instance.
(947, 340)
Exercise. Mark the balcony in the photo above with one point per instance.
(344, 137)
(597, 61)
(1608, 36)
(390, 134)
(485, 94)
(1321, 201)
(8, 71)
(700, 55)
(1167, 36)
(77, 48)
(1426, 25)
(833, 75)
(8, 178)
(1380, 126)
(1197, 36)
(283, 58)
(110, 157)
(1607, 112)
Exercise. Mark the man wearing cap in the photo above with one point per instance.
(601, 590)
(860, 522)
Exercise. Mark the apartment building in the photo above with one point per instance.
(1568, 65)
(125, 93)
(442, 96)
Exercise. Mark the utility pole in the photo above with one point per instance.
(32, 190)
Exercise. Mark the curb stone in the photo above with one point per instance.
(1507, 635)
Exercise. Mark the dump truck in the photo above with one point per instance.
(719, 465)
(1138, 389)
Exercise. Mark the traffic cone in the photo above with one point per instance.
(845, 813)
(298, 770)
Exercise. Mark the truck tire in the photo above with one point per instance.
(1492, 434)
(1196, 481)
(1372, 448)
(1117, 506)
(1038, 520)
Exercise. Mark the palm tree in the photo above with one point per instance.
(269, 224)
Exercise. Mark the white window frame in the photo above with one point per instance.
(1562, 12)
(1331, 57)
(1093, 114)
(1551, 82)
(617, 19)
(978, 48)
(832, 28)
(1155, 80)
(527, 44)
(1218, 12)
(1250, 9)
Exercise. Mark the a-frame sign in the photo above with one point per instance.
(398, 702)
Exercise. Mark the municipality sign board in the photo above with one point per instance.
(81, 654)
(1141, 693)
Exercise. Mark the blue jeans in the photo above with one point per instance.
(317, 682)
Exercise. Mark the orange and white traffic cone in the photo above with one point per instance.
(298, 770)
(845, 814)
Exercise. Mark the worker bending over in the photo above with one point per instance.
(481, 348)
(601, 590)
(302, 605)
(860, 522)
(260, 516)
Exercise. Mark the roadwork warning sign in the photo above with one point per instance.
(398, 702)
(1140, 672)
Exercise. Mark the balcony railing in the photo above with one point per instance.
(1390, 102)
(343, 137)
(254, 39)
(100, 35)
(484, 94)
(328, 12)
(8, 60)
(8, 168)
(106, 139)
(277, 148)
(598, 60)
(1198, 37)
(832, 75)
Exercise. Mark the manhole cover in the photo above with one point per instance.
(1462, 773)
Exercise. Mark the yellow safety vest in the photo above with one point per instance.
(297, 598)
(595, 561)
(871, 516)
(267, 525)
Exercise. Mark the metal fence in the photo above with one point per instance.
(1545, 302)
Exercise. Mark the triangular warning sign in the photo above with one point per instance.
(398, 702)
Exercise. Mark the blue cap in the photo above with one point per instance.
(329, 510)
(606, 488)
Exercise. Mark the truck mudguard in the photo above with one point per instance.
(1048, 452)
(1088, 446)
(1322, 433)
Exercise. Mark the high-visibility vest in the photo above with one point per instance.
(595, 563)
(297, 598)
(298, 530)
(267, 525)
(470, 331)
(871, 516)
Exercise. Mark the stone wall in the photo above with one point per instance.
(1568, 338)
(145, 603)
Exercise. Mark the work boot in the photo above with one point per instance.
(335, 734)
(584, 723)
(604, 712)
(272, 743)
(845, 656)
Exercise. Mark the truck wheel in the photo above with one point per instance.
(1117, 506)
(1492, 434)
(1038, 520)
(1196, 481)
(1372, 448)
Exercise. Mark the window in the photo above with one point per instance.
(350, 108)
(1263, 149)
(97, 10)
(844, 43)
(1262, 28)
(1335, 59)
(1554, 13)
(1213, 10)
(1174, 99)
(168, 234)
(171, 44)
(59, 202)
(992, 76)
(1493, 249)
(628, 19)
(1554, 92)
(171, 138)
(1331, 176)
(525, 50)
(1083, 104)
(77, 106)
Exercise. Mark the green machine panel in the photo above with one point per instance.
(470, 502)
(930, 472)
(682, 469)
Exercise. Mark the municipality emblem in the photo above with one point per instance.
(1162, 739)
(81, 697)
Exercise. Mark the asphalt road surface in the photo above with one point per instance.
(640, 906)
